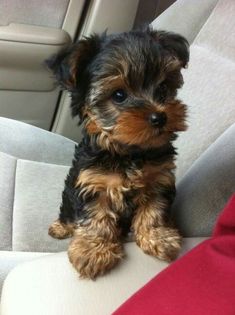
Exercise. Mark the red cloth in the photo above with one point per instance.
(202, 282)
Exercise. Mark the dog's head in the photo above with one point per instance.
(124, 86)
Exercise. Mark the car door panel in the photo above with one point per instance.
(30, 32)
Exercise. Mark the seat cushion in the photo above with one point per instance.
(29, 203)
(9, 260)
(185, 17)
(27, 142)
(210, 102)
(219, 31)
(38, 189)
(205, 188)
(61, 291)
(209, 86)
(7, 185)
(30, 191)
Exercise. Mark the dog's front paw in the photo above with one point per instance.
(60, 230)
(93, 256)
(161, 242)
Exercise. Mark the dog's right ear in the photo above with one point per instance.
(69, 65)
(176, 46)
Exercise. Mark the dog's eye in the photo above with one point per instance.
(119, 96)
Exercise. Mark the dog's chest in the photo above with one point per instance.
(122, 185)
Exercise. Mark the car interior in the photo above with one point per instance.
(38, 136)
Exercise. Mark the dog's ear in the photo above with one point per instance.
(174, 44)
(69, 65)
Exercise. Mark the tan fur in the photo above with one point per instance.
(96, 247)
(98, 180)
(151, 233)
(158, 174)
(92, 127)
(60, 230)
(141, 132)
(133, 134)
(94, 181)
(92, 255)
(176, 113)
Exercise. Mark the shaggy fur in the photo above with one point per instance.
(123, 88)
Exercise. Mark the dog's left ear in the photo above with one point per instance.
(174, 44)
(70, 64)
(69, 68)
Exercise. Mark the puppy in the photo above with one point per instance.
(123, 88)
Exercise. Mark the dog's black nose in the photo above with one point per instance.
(158, 119)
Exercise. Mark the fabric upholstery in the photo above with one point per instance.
(211, 107)
(219, 31)
(38, 188)
(21, 141)
(185, 17)
(209, 87)
(7, 184)
(206, 187)
(26, 142)
(61, 292)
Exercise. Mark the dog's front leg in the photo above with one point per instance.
(96, 247)
(152, 232)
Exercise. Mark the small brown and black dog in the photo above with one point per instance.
(123, 88)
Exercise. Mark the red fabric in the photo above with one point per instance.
(202, 282)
